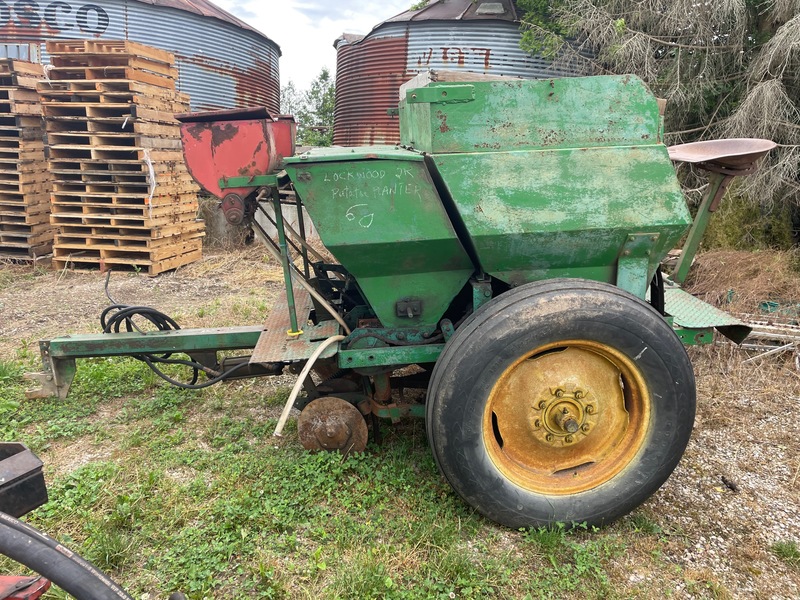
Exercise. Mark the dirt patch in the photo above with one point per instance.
(37, 304)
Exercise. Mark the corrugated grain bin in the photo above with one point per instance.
(478, 36)
(222, 61)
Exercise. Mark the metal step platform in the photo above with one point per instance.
(275, 345)
(692, 313)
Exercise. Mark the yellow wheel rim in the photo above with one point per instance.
(567, 417)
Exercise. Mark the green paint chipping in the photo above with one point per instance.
(541, 179)
(578, 112)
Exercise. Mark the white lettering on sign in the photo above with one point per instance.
(58, 15)
(369, 185)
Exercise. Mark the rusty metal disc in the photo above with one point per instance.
(332, 424)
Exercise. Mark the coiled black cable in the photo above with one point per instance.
(117, 318)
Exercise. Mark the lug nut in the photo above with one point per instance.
(585, 427)
(549, 437)
(568, 439)
(590, 409)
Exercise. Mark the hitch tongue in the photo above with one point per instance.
(54, 379)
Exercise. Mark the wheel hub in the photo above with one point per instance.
(564, 415)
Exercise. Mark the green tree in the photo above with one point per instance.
(312, 109)
(727, 68)
(291, 99)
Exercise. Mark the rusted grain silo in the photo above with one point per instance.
(222, 61)
(480, 36)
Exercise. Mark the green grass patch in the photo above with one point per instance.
(193, 493)
(788, 552)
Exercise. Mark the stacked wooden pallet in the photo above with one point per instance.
(122, 196)
(25, 230)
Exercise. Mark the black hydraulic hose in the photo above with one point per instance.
(68, 570)
(149, 359)
(122, 314)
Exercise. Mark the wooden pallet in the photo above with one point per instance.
(25, 183)
(91, 260)
(19, 73)
(102, 60)
(122, 196)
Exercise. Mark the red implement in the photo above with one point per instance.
(234, 143)
(23, 588)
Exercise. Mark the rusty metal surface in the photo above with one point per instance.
(489, 47)
(450, 10)
(232, 114)
(734, 153)
(371, 70)
(236, 146)
(332, 424)
(274, 345)
(567, 418)
(222, 62)
(368, 76)
(22, 588)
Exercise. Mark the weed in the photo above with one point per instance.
(10, 372)
(788, 552)
(105, 378)
(108, 547)
(575, 559)
(639, 522)
(278, 397)
(705, 583)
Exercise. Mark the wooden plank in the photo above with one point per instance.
(132, 255)
(155, 236)
(29, 188)
(13, 65)
(25, 81)
(24, 176)
(153, 267)
(60, 47)
(120, 220)
(22, 218)
(15, 94)
(72, 241)
(26, 108)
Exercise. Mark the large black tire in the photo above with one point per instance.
(69, 571)
(564, 401)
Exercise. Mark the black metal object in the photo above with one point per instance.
(22, 486)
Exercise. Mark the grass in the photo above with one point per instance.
(788, 552)
(170, 490)
(187, 491)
